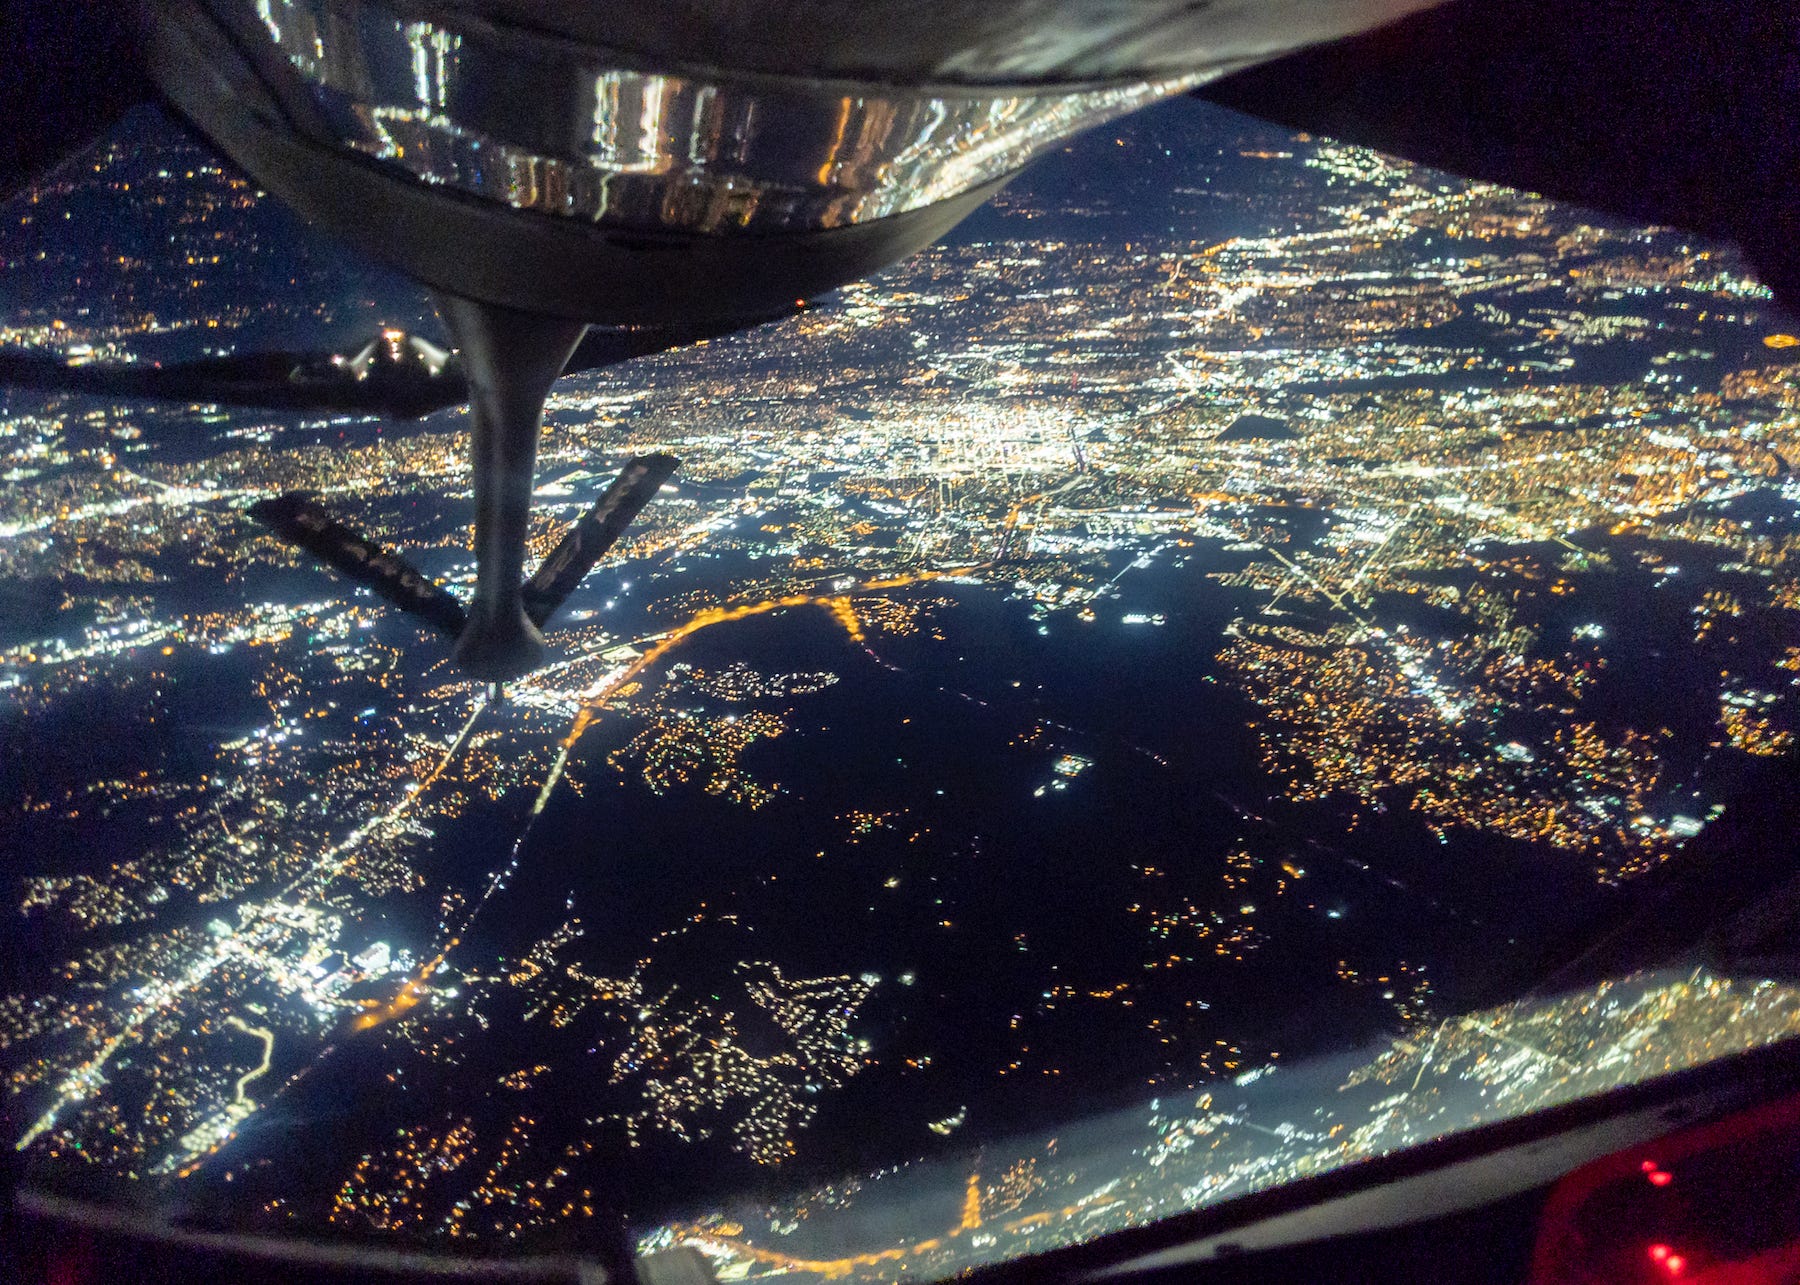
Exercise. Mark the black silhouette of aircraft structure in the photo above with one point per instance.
(399, 375)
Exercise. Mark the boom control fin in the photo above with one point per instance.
(301, 522)
(599, 529)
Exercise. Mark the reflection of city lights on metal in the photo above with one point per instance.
(694, 152)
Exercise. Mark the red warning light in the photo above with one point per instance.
(1659, 1252)
(1674, 1262)
(1648, 1165)
(1660, 1177)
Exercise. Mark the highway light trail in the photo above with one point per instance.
(969, 1220)
(837, 605)
(83, 1082)
(408, 797)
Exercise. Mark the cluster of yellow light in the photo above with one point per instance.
(675, 748)
(387, 1190)
(969, 1221)
(411, 994)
